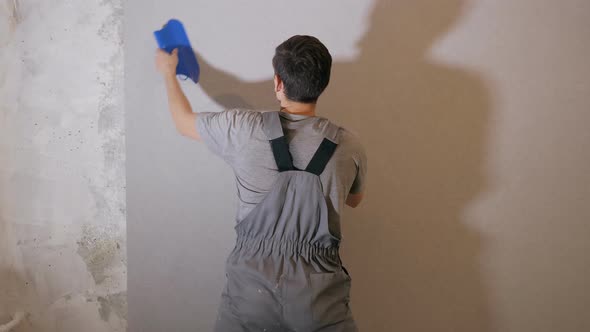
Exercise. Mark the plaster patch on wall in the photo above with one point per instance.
(110, 123)
(115, 20)
(99, 250)
(104, 310)
(113, 303)
(13, 12)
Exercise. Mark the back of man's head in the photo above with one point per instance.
(303, 64)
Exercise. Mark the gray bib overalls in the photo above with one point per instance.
(285, 272)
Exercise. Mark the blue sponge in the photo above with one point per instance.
(172, 36)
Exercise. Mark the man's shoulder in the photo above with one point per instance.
(348, 138)
(243, 116)
(345, 135)
(244, 112)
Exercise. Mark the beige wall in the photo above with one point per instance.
(475, 116)
(477, 123)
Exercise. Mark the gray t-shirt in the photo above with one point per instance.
(238, 137)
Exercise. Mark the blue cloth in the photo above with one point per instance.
(172, 36)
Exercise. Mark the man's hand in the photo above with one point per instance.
(166, 63)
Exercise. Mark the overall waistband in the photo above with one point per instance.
(284, 247)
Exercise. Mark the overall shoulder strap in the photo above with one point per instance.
(272, 125)
(325, 151)
(278, 141)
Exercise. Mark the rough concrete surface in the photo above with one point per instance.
(62, 176)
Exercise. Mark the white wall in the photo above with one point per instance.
(62, 179)
(475, 120)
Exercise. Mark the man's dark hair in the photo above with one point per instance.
(303, 63)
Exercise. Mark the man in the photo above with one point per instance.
(294, 172)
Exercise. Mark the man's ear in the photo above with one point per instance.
(278, 83)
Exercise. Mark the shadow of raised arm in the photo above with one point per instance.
(230, 91)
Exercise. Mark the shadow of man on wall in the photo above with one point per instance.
(414, 259)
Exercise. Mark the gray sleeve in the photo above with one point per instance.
(360, 160)
(223, 132)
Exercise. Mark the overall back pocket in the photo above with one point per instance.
(330, 297)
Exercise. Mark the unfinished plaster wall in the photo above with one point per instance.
(62, 184)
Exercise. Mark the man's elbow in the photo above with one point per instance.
(188, 132)
(353, 200)
(185, 127)
(352, 205)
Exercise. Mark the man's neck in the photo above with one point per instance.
(298, 108)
